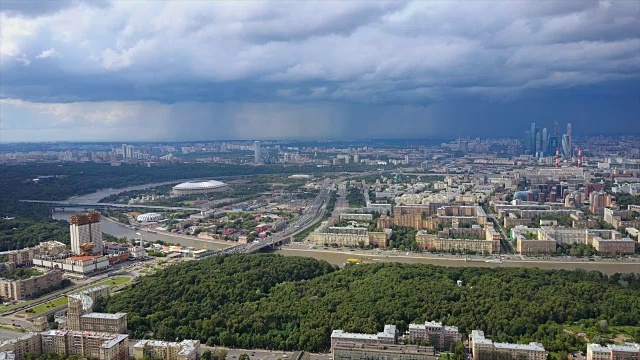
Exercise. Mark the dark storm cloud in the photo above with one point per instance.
(420, 61)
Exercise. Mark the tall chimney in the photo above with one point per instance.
(579, 156)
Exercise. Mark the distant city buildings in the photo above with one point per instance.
(257, 153)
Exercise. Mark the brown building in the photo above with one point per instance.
(22, 345)
(25, 288)
(532, 241)
(610, 242)
(481, 240)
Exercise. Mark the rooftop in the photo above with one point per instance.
(105, 315)
(628, 347)
(530, 346)
(345, 335)
(83, 258)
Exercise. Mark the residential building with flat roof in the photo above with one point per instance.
(483, 348)
(387, 336)
(626, 351)
(440, 336)
(364, 351)
(532, 241)
(98, 345)
(25, 288)
(167, 350)
(22, 345)
(80, 315)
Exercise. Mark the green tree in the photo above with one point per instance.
(603, 327)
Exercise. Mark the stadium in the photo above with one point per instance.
(202, 187)
(150, 217)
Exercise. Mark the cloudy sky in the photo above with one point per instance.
(200, 70)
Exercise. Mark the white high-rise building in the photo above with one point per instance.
(85, 228)
(257, 153)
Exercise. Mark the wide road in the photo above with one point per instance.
(340, 258)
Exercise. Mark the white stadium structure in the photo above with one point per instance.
(150, 217)
(202, 187)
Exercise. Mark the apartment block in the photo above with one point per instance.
(348, 236)
(154, 349)
(98, 345)
(25, 288)
(80, 315)
(22, 345)
(532, 241)
(387, 336)
(610, 242)
(440, 336)
(363, 351)
(481, 240)
(485, 349)
(627, 351)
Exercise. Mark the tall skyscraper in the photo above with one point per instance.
(545, 142)
(85, 228)
(538, 143)
(533, 139)
(570, 140)
(566, 148)
(257, 153)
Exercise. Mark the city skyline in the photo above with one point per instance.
(355, 70)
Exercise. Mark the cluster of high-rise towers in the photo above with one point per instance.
(541, 142)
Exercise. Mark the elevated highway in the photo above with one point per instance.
(311, 216)
(96, 205)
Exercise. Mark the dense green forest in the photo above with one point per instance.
(270, 301)
(19, 233)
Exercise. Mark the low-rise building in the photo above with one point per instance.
(25, 288)
(97, 345)
(483, 348)
(627, 351)
(166, 350)
(440, 336)
(82, 265)
(363, 351)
